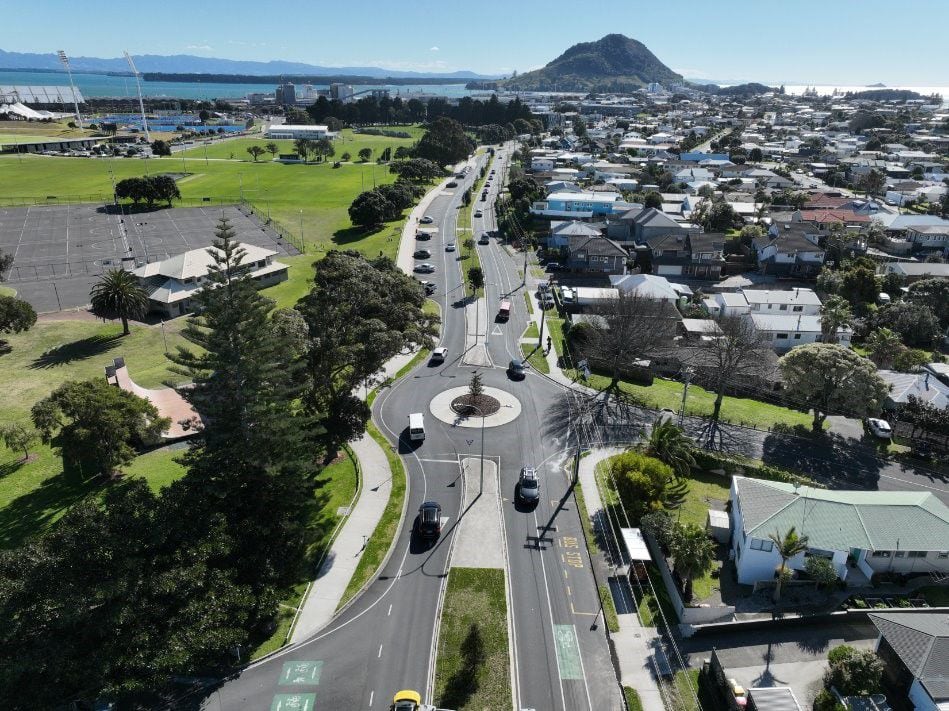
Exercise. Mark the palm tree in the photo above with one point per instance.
(668, 444)
(834, 314)
(787, 546)
(884, 346)
(117, 292)
(694, 554)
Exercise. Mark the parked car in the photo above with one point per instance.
(425, 268)
(879, 428)
(449, 246)
(423, 235)
(429, 287)
(484, 239)
(516, 369)
(553, 266)
(478, 213)
(528, 486)
(428, 523)
(421, 254)
(451, 184)
(427, 219)
(545, 299)
(439, 354)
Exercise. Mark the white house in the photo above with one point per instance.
(541, 164)
(295, 131)
(786, 331)
(646, 285)
(860, 532)
(791, 301)
(726, 303)
(172, 283)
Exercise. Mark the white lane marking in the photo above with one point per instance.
(390, 610)
(550, 612)
(380, 652)
(372, 695)
(440, 461)
(582, 671)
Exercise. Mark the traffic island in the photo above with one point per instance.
(472, 669)
(443, 407)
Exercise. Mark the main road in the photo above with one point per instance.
(385, 641)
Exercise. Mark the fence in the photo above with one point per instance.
(72, 268)
(108, 199)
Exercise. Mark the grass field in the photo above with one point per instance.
(308, 201)
(346, 142)
(36, 493)
(535, 356)
(473, 667)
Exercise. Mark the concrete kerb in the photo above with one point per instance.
(440, 407)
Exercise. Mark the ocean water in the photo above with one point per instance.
(101, 85)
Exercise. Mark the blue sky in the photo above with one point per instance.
(820, 42)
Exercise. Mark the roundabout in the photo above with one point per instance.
(455, 407)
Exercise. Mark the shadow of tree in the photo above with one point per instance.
(347, 235)
(464, 682)
(77, 350)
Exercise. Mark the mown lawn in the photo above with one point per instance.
(473, 666)
(535, 356)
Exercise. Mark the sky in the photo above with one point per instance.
(790, 41)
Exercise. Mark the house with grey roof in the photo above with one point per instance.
(924, 386)
(914, 648)
(860, 532)
(595, 254)
(172, 283)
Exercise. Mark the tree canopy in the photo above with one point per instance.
(445, 142)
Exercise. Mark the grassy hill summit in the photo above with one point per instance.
(613, 63)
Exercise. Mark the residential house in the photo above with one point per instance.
(783, 301)
(595, 254)
(931, 238)
(542, 164)
(923, 386)
(860, 532)
(914, 647)
(785, 332)
(580, 205)
(669, 253)
(648, 286)
(726, 303)
(915, 271)
(786, 251)
(562, 230)
(172, 283)
(706, 255)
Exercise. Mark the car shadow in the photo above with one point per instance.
(406, 444)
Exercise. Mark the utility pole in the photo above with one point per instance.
(687, 374)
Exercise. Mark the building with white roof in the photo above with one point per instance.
(779, 301)
(294, 131)
(172, 283)
(786, 331)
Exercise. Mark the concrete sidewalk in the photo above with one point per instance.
(633, 643)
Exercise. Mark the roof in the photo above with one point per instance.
(731, 298)
(645, 285)
(843, 519)
(599, 246)
(197, 262)
(921, 385)
(635, 544)
(921, 641)
(802, 323)
(707, 241)
(919, 268)
(701, 325)
(299, 127)
(573, 227)
(651, 217)
(774, 698)
(585, 197)
(782, 296)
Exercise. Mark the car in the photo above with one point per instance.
(879, 428)
(528, 486)
(427, 219)
(425, 268)
(484, 239)
(545, 299)
(516, 369)
(451, 184)
(428, 523)
(478, 213)
(406, 700)
(542, 287)
(439, 354)
(462, 174)
(423, 235)
(553, 266)
(449, 246)
(429, 287)
(421, 254)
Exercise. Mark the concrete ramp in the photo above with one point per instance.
(185, 421)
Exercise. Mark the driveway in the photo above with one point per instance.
(795, 657)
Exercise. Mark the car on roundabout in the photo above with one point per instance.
(428, 523)
(516, 369)
(478, 213)
(439, 355)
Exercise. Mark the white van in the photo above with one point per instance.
(416, 426)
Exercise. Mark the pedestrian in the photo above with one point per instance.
(549, 344)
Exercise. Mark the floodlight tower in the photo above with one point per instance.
(64, 60)
(141, 104)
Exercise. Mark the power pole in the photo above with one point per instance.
(687, 375)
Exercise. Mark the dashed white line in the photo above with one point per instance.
(378, 656)
(372, 695)
(390, 611)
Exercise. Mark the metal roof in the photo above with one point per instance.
(774, 698)
(635, 544)
(839, 520)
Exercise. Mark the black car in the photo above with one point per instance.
(428, 523)
(422, 254)
(429, 287)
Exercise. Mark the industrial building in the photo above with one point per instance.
(294, 131)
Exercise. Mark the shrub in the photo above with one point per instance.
(737, 465)
(854, 673)
(826, 701)
(840, 653)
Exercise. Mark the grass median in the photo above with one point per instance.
(473, 665)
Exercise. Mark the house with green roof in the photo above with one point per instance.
(914, 647)
(860, 532)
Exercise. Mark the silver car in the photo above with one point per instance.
(528, 486)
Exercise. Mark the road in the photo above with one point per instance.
(385, 641)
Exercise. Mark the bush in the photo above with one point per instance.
(736, 465)
(840, 653)
(854, 673)
(826, 701)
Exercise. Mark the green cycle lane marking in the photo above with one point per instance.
(568, 652)
(293, 702)
(301, 673)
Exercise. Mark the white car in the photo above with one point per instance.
(439, 354)
(880, 428)
(425, 268)
(427, 220)
(450, 247)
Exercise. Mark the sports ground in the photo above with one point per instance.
(59, 251)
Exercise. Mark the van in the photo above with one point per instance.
(416, 426)
(504, 310)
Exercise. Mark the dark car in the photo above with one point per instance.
(421, 254)
(429, 287)
(428, 523)
(528, 486)
(451, 184)
(516, 369)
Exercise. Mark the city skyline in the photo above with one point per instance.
(734, 41)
